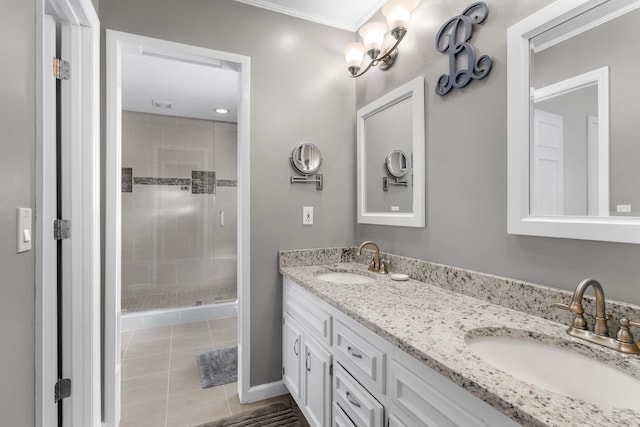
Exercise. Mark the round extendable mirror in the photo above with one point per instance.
(396, 163)
(306, 158)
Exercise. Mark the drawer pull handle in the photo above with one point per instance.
(307, 361)
(295, 344)
(353, 402)
(354, 353)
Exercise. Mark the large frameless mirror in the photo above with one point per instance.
(572, 149)
(391, 159)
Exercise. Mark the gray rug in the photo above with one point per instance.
(279, 414)
(218, 367)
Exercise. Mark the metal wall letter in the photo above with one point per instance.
(453, 37)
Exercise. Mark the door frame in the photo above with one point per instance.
(116, 42)
(82, 197)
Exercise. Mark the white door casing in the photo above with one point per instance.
(117, 41)
(80, 195)
(547, 170)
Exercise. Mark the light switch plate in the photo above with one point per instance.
(307, 215)
(23, 230)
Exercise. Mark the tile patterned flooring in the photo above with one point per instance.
(160, 380)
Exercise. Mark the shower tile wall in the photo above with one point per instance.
(175, 252)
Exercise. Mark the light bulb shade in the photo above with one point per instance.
(398, 13)
(353, 54)
(373, 35)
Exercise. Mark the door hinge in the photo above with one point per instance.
(61, 229)
(331, 370)
(60, 69)
(62, 389)
(283, 371)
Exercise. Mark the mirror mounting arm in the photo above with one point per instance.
(306, 179)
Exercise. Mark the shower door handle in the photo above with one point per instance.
(221, 218)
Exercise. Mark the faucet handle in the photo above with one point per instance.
(383, 266)
(578, 321)
(624, 334)
(561, 306)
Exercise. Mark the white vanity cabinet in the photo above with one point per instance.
(372, 383)
(306, 371)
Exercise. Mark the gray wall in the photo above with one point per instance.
(466, 146)
(17, 171)
(300, 91)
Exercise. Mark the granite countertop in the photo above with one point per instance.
(431, 324)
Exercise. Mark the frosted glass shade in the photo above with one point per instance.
(373, 35)
(398, 13)
(353, 54)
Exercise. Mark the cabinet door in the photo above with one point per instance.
(317, 383)
(292, 350)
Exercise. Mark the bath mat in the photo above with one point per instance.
(279, 414)
(218, 367)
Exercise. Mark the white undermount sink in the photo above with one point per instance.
(344, 277)
(559, 370)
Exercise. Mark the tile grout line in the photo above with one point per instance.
(166, 410)
(226, 395)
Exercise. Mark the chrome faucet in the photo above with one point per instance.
(579, 328)
(376, 265)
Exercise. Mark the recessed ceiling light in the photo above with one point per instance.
(162, 104)
(222, 110)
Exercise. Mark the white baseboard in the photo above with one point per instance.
(176, 316)
(264, 391)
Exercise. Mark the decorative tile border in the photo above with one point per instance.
(127, 180)
(143, 180)
(518, 295)
(227, 183)
(203, 182)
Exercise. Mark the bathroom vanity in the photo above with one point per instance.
(383, 353)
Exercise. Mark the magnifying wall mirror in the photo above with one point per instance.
(396, 163)
(391, 159)
(306, 158)
(573, 120)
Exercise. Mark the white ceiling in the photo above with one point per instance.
(197, 89)
(345, 14)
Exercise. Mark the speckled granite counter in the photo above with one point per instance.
(431, 324)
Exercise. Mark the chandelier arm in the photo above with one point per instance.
(371, 63)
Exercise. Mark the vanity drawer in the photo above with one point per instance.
(340, 419)
(361, 356)
(359, 405)
(311, 316)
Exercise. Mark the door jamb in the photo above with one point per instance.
(83, 407)
(116, 41)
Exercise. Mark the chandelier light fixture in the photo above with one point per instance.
(373, 34)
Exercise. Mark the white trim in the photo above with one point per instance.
(519, 220)
(318, 19)
(414, 90)
(116, 43)
(175, 316)
(46, 412)
(265, 391)
(81, 166)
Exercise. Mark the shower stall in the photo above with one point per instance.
(179, 209)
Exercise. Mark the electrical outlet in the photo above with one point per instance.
(307, 215)
(624, 208)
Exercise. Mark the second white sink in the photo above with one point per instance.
(559, 370)
(344, 277)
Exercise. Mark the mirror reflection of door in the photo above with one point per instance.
(547, 181)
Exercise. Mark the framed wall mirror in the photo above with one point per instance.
(572, 122)
(391, 158)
